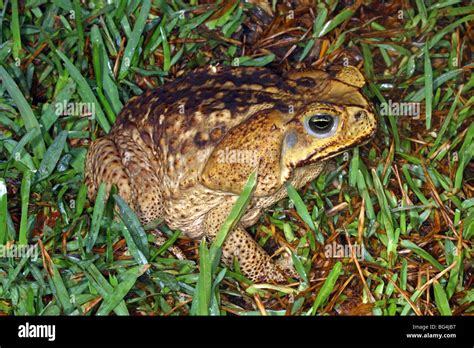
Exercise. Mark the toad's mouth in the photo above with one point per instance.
(323, 154)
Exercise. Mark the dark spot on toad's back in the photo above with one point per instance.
(306, 82)
(201, 139)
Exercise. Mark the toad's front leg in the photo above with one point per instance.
(254, 262)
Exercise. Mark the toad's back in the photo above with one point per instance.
(182, 121)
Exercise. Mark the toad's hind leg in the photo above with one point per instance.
(254, 262)
(104, 164)
(125, 162)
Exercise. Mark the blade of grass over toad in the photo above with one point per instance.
(166, 245)
(3, 211)
(134, 38)
(15, 29)
(422, 253)
(428, 86)
(26, 113)
(327, 287)
(209, 258)
(97, 216)
(85, 91)
(130, 220)
(25, 199)
(122, 289)
(51, 157)
(441, 299)
(237, 210)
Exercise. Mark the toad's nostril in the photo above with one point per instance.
(359, 115)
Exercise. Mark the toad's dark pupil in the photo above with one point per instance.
(321, 123)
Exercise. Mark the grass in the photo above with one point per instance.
(407, 196)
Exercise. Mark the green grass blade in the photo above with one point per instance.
(79, 26)
(133, 224)
(237, 211)
(80, 200)
(441, 299)
(336, 21)
(60, 291)
(121, 290)
(202, 292)
(428, 86)
(26, 113)
(422, 253)
(134, 38)
(166, 50)
(303, 212)
(51, 157)
(99, 207)
(3, 211)
(166, 245)
(15, 29)
(25, 199)
(85, 91)
(209, 258)
(102, 286)
(260, 61)
(327, 287)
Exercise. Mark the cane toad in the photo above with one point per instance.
(184, 151)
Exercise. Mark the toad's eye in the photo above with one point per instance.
(321, 125)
